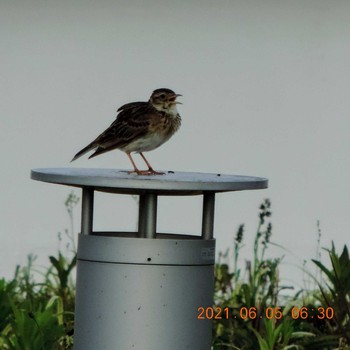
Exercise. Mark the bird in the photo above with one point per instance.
(139, 127)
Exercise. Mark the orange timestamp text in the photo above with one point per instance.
(252, 313)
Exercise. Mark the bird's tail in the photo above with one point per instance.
(86, 149)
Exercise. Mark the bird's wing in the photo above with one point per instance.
(132, 122)
(131, 105)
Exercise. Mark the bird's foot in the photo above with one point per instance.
(153, 172)
(145, 172)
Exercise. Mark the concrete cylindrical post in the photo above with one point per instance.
(143, 290)
(137, 293)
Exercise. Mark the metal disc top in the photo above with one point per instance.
(171, 183)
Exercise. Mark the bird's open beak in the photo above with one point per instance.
(173, 99)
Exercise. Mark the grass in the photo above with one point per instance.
(37, 306)
(314, 319)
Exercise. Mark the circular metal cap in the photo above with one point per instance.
(171, 183)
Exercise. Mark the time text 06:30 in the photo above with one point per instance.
(219, 313)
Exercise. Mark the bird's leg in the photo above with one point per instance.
(136, 170)
(150, 169)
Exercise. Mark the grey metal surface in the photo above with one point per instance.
(166, 249)
(142, 217)
(139, 293)
(208, 215)
(148, 226)
(171, 183)
(87, 210)
(124, 301)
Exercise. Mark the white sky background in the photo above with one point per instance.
(265, 88)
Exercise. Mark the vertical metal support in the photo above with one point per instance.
(208, 215)
(87, 210)
(148, 215)
(142, 222)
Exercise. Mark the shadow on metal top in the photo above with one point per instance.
(171, 183)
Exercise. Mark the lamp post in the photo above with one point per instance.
(142, 290)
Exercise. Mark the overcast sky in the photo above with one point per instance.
(265, 88)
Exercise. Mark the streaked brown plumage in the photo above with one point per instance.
(139, 127)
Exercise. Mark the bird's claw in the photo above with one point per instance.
(145, 172)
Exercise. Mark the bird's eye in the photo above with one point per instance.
(162, 96)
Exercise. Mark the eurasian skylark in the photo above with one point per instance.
(139, 127)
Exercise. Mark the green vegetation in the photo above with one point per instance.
(40, 315)
(260, 318)
(254, 315)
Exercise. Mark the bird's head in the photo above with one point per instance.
(164, 100)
